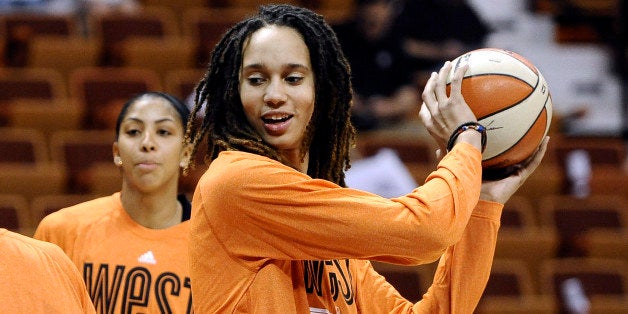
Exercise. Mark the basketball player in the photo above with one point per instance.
(37, 277)
(131, 247)
(273, 228)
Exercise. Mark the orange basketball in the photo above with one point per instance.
(510, 97)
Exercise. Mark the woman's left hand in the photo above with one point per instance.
(500, 191)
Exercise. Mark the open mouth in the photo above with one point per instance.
(276, 123)
(275, 119)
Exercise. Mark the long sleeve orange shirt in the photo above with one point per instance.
(266, 238)
(37, 277)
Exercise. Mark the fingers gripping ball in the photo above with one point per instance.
(510, 97)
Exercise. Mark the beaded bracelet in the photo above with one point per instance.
(467, 126)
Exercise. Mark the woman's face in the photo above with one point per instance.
(150, 145)
(277, 87)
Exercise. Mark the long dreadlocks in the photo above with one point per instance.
(329, 135)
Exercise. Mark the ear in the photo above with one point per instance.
(116, 155)
(186, 156)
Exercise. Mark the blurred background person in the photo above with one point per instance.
(435, 31)
(384, 84)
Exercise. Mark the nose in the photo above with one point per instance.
(148, 144)
(275, 94)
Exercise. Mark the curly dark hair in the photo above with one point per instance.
(329, 135)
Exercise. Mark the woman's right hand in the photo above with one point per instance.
(442, 114)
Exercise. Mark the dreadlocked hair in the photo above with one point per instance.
(224, 124)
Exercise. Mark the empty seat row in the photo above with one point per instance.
(20, 214)
(88, 84)
(514, 288)
(200, 26)
(600, 284)
(39, 97)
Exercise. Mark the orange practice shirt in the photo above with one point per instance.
(266, 238)
(37, 277)
(124, 264)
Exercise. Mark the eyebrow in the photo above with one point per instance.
(142, 121)
(256, 66)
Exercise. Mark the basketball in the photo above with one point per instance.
(510, 97)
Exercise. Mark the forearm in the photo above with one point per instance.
(459, 280)
(294, 217)
(464, 269)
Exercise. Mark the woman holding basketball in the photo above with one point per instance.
(274, 230)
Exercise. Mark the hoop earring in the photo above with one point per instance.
(117, 160)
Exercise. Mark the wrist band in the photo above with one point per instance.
(467, 126)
